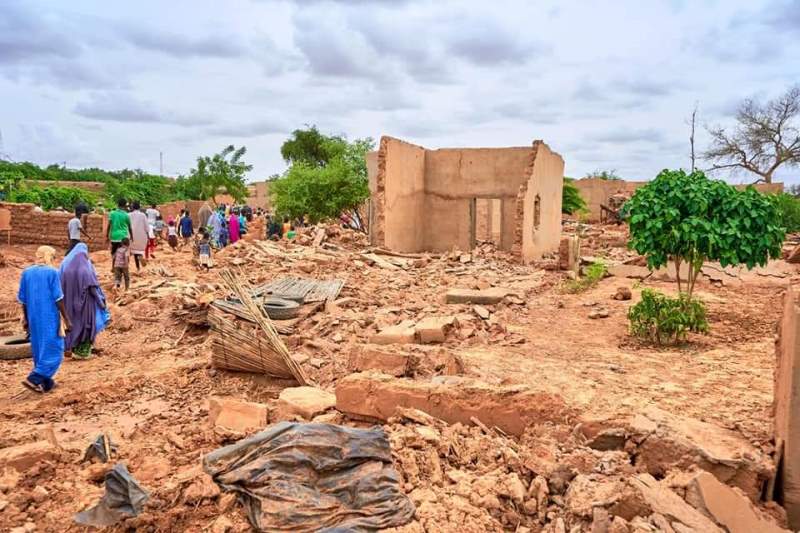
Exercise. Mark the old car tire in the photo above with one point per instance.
(15, 347)
(280, 309)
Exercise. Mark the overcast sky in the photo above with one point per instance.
(609, 85)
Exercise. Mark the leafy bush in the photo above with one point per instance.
(53, 197)
(659, 318)
(327, 176)
(592, 276)
(571, 200)
(688, 218)
(788, 207)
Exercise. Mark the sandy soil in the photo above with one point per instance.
(150, 391)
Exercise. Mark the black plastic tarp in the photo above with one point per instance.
(124, 498)
(313, 477)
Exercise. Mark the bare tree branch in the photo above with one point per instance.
(766, 136)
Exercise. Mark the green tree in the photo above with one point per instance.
(312, 148)
(571, 200)
(688, 218)
(327, 176)
(221, 173)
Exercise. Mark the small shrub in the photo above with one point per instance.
(592, 276)
(661, 319)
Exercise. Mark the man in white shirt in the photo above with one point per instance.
(75, 230)
(152, 215)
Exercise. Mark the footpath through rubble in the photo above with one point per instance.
(506, 407)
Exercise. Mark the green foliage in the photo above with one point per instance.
(146, 188)
(661, 319)
(222, 173)
(128, 184)
(53, 197)
(571, 200)
(688, 218)
(312, 148)
(788, 207)
(327, 176)
(9, 181)
(592, 276)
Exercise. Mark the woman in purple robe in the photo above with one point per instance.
(84, 301)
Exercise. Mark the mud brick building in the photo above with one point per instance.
(437, 200)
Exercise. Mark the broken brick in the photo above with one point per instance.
(237, 415)
(385, 361)
(434, 329)
(24, 456)
(306, 402)
(402, 333)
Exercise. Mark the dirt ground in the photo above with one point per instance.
(150, 379)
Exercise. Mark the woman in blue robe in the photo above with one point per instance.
(84, 301)
(43, 308)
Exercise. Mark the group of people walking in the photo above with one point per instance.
(225, 224)
(63, 310)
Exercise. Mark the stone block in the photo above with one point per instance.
(728, 508)
(434, 329)
(306, 402)
(385, 361)
(237, 415)
(493, 295)
(402, 333)
(24, 456)
(452, 399)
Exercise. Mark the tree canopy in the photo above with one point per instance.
(327, 176)
(688, 218)
(222, 173)
(766, 137)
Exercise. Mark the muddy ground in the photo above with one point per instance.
(150, 379)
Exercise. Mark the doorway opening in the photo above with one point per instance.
(486, 221)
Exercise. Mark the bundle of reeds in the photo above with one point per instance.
(275, 351)
(242, 346)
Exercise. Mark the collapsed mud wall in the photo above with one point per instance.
(438, 200)
(50, 228)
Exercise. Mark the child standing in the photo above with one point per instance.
(172, 235)
(203, 250)
(121, 259)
